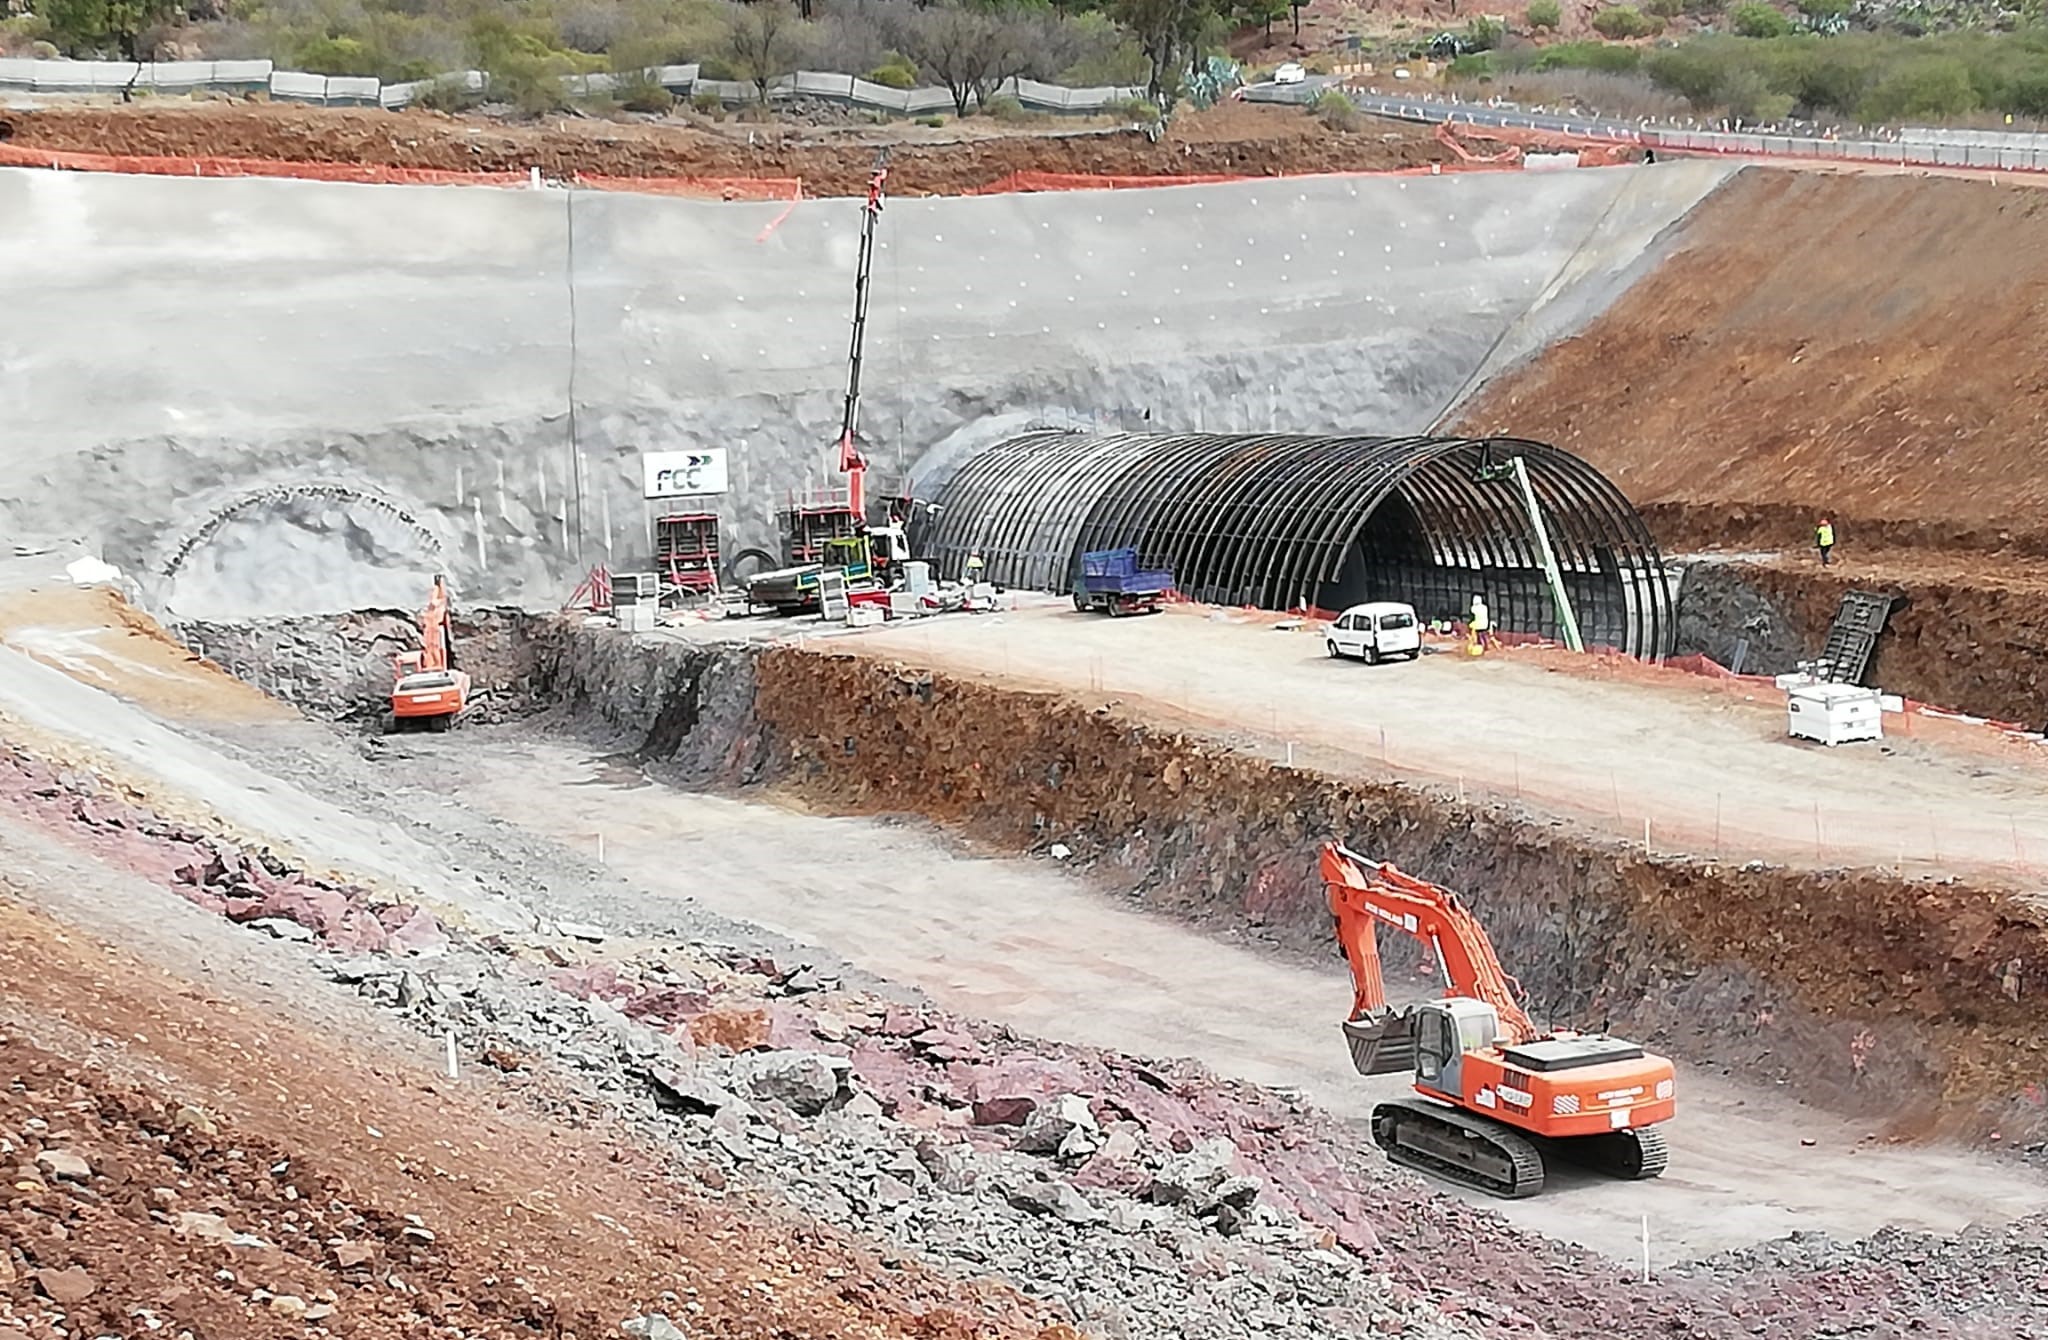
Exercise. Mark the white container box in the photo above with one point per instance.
(636, 618)
(1834, 713)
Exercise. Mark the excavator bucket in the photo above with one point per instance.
(1382, 1046)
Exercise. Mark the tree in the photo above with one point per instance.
(1265, 13)
(765, 42)
(84, 27)
(974, 49)
(1169, 32)
(1297, 6)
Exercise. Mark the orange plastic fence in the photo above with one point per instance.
(702, 188)
(13, 155)
(1082, 181)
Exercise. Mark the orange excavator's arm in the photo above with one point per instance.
(1366, 893)
(434, 629)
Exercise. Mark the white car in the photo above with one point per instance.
(1376, 631)
(1290, 73)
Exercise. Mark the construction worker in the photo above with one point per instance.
(974, 565)
(1824, 539)
(1482, 626)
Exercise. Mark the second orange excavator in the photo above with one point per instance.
(427, 690)
(1495, 1092)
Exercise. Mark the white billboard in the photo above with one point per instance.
(682, 474)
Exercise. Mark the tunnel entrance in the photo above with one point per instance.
(1315, 523)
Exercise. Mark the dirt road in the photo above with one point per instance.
(1026, 945)
(1695, 767)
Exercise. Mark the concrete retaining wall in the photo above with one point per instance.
(179, 344)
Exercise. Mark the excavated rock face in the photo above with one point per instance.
(1858, 990)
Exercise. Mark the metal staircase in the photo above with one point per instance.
(1853, 636)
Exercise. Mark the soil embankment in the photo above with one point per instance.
(1233, 140)
(1817, 345)
(1836, 345)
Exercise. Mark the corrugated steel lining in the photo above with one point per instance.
(1286, 522)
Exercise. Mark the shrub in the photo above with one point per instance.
(447, 94)
(24, 32)
(1601, 56)
(895, 71)
(642, 91)
(335, 55)
(1141, 110)
(707, 102)
(1484, 34)
(1754, 19)
(1334, 110)
(1003, 107)
(1478, 66)
(934, 122)
(1665, 9)
(1924, 88)
(1544, 15)
(1623, 22)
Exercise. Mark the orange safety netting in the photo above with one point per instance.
(12, 155)
(702, 188)
(1083, 181)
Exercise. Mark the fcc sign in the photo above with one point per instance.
(681, 474)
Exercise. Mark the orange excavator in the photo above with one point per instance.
(1494, 1091)
(427, 691)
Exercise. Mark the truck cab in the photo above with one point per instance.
(1376, 631)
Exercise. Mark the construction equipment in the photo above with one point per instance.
(427, 691)
(1852, 637)
(1494, 1091)
(1111, 580)
(852, 462)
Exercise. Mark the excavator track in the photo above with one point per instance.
(1633, 1156)
(1458, 1147)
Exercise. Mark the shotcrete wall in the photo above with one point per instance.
(491, 362)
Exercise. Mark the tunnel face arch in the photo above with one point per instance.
(1310, 522)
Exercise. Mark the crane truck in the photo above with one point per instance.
(1493, 1092)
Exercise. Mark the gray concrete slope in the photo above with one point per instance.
(173, 345)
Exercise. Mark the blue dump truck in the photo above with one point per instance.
(1111, 580)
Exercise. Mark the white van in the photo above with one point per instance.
(1376, 631)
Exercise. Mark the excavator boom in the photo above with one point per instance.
(1366, 893)
(426, 688)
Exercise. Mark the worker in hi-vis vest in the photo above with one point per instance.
(1824, 539)
(1482, 626)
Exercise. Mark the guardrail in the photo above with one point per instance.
(685, 81)
(1919, 146)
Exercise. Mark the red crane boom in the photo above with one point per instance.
(853, 463)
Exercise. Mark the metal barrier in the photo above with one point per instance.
(1923, 146)
(685, 81)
